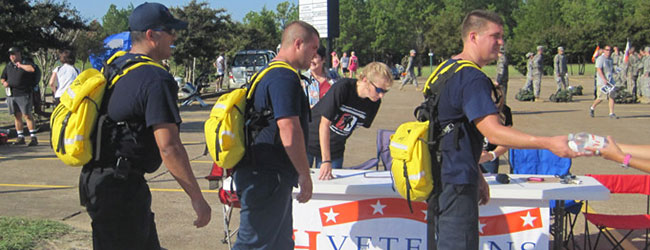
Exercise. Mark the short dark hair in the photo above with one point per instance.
(67, 56)
(137, 36)
(298, 29)
(476, 21)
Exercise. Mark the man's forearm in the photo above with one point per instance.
(175, 158)
(27, 67)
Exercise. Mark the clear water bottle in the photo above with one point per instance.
(579, 141)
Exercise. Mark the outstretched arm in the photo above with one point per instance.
(617, 153)
(509, 137)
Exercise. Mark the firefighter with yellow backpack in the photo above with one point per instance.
(464, 110)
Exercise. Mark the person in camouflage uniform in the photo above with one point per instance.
(644, 79)
(560, 69)
(633, 63)
(502, 71)
(410, 72)
(529, 72)
(538, 71)
(617, 58)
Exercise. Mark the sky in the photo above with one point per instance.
(95, 9)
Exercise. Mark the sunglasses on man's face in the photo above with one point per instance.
(171, 32)
(378, 89)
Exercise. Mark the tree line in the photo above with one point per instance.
(378, 30)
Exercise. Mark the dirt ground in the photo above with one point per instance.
(33, 183)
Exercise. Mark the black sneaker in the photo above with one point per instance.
(32, 142)
(591, 113)
(19, 141)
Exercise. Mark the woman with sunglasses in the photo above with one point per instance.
(348, 104)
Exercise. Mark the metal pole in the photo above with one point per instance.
(329, 51)
(431, 60)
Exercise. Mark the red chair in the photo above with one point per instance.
(228, 199)
(621, 184)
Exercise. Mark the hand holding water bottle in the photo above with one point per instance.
(580, 141)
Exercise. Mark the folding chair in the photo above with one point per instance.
(620, 184)
(228, 199)
(544, 162)
(383, 152)
(191, 93)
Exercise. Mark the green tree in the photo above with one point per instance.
(116, 20)
(634, 25)
(209, 32)
(89, 41)
(356, 32)
(14, 25)
(286, 12)
(40, 29)
(267, 29)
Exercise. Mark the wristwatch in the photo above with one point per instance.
(626, 161)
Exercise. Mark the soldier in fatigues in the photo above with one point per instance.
(644, 80)
(502, 71)
(538, 71)
(560, 69)
(632, 71)
(410, 72)
(529, 72)
(616, 58)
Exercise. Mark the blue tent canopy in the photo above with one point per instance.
(112, 44)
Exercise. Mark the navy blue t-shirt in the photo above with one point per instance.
(279, 89)
(468, 94)
(146, 95)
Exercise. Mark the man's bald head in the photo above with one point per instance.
(295, 30)
(477, 20)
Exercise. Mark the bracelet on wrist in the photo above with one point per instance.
(494, 155)
(328, 161)
(626, 161)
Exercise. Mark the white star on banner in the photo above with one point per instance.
(528, 220)
(378, 208)
(480, 226)
(425, 214)
(331, 215)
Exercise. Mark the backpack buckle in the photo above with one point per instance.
(447, 129)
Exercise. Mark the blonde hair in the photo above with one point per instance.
(375, 71)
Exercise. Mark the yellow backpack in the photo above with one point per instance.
(225, 130)
(73, 121)
(411, 167)
(415, 145)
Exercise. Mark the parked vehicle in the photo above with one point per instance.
(245, 64)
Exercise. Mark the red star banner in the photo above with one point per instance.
(372, 209)
(510, 223)
(398, 208)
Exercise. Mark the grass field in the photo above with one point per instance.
(22, 233)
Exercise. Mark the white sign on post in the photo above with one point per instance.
(314, 12)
